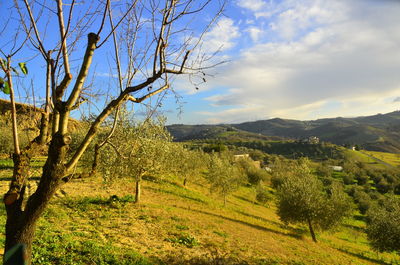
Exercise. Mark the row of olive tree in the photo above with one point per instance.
(383, 225)
(303, 198)
(145, 148)
(137, 149)
(160, 39)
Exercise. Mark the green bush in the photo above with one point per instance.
(363, 201)
(253, 173)
(263, 195)
(383, 226)
(184, 239)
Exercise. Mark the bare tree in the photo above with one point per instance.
(160, 45)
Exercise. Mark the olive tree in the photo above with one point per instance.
(223, 175)
(188, 164)
(302, 199)
(383, 226)
(138, 149)
(162, 43)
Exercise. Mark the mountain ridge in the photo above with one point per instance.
(379, 132)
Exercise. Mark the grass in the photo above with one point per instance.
(101, 224)
(368, 161)
(390, 158)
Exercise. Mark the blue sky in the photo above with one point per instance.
(296, 59)
(301, 59)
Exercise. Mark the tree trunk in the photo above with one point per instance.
(137, 191)
(311, 230)
(21, 223)
(184, 182)
(95, 160)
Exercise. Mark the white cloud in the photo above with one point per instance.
(254, 33)
(336, 58)
(222, 36)
(253, 5)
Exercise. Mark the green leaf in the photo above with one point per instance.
(1, 83)
(6, 88)
(23, 67)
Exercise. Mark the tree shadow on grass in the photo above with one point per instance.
(5, 167)
(177, 194)
(297, 231)
(257, 217)
(10, 177)
(259, 227)
(201, 260)
(246, 200)
(361, 256)
(357, 228)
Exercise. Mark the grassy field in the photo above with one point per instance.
(390, 158)
(96, 223)
(368, 158)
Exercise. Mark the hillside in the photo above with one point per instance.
(182, 132)
(94, 223)
(379, 132)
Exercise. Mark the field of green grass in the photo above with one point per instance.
(93, 222)
(390, 158)
(367, 158)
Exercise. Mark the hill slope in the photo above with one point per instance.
(379, 132)
(178, 225)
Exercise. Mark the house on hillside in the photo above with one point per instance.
(337, 168)
(256, 164)
(311, 140)
(242, 156)
(268, 169)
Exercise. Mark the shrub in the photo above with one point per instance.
(363, 201)
(383, 226)
(263, 195)
(184, 239)
(223, 175)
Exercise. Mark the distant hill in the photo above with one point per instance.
(182, 132)
(379, 132)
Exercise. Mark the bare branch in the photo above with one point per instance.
(139, 100)
(185, 12)
(7, 69)
(106, 9)
(63, 38)
(33, 23)
(119, 22)
(117, 59)
(103, 115)
(87, 60)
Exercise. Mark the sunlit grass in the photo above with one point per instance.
(99, 223)
(390, 158)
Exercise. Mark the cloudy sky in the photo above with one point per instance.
(295, 59)
(299, 59)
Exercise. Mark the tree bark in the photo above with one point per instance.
(311, 230)
(95, 160)
(138, 191)
(13, 112)
(20, 224)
